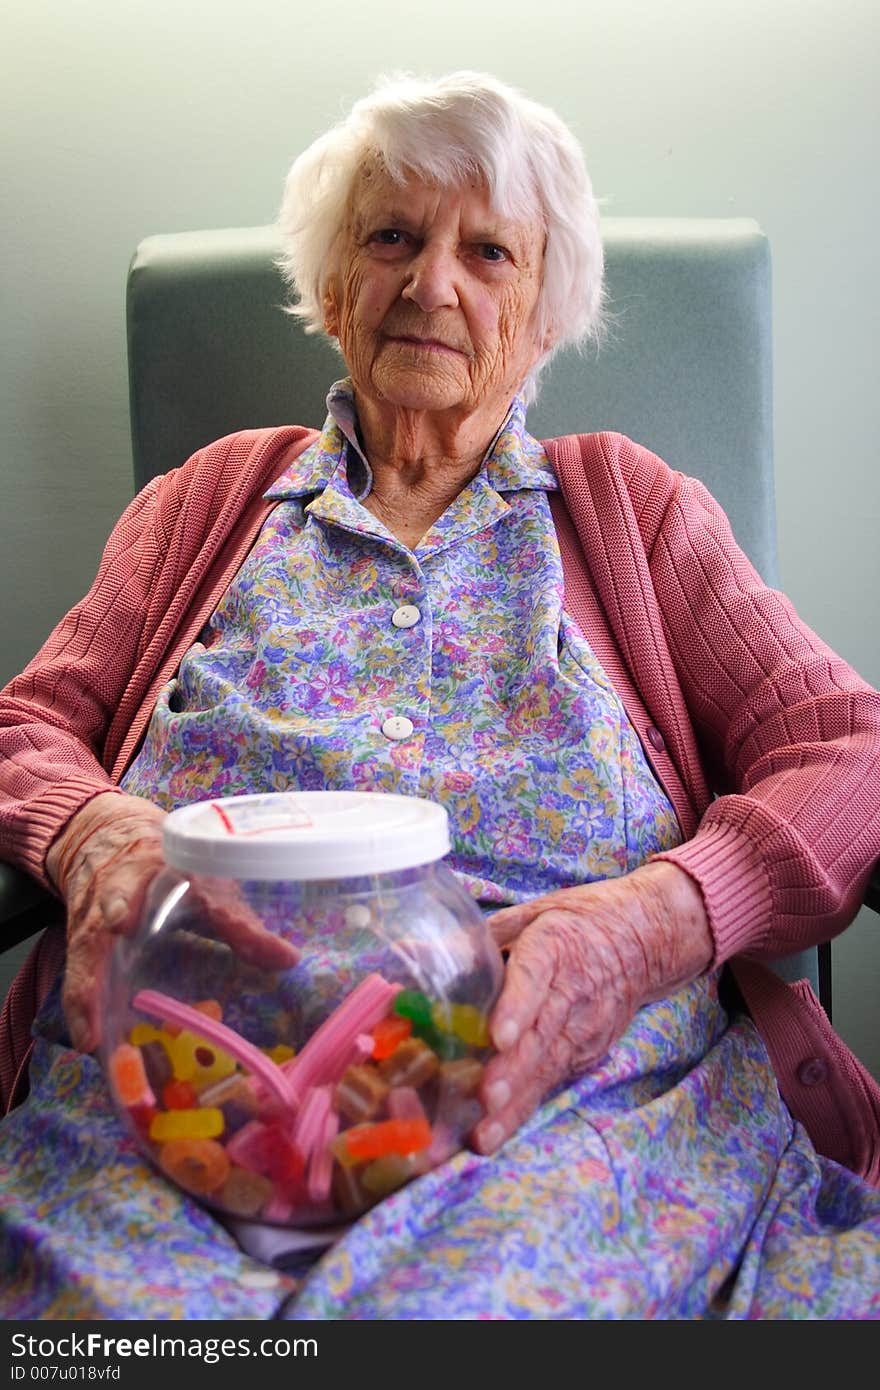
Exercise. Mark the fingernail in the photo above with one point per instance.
(497, 1095)
(506, 1033)
(80, 1031)
(491, 1137)
(115, 910)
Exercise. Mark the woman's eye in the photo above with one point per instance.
(389, 236)
(490, 252)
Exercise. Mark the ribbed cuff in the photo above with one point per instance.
(47, 816)
(735, 885)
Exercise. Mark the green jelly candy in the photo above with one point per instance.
(412, 1004)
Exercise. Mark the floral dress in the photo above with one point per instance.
(669, 1181)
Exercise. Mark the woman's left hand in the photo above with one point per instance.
(582, 962)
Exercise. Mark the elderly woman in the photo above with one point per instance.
(652, 770)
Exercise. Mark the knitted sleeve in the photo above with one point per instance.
(790, 736)
(54, 716)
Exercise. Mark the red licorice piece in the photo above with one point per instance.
(267, 1149)
(142, 1117)
(179, 1095)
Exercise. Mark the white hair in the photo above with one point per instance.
(442, 131)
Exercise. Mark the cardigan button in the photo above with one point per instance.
(812, 1072)
(656, 739)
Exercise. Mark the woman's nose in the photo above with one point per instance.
(432, 282)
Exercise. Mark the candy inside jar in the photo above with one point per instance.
(302, 1093)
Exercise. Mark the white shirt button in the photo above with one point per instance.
(407, 615)
(398, 726)
(259, 1279)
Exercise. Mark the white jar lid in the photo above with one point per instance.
(305, 835)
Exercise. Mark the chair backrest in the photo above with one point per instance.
(686, 368)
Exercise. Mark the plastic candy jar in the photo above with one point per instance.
(302, 1091)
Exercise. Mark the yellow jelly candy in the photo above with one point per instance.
(186, 1124)
(143, 1033)
(470, 1024)
(196, 1060)
(464, 1020)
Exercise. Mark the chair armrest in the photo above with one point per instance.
(872, 892)
(26, 907)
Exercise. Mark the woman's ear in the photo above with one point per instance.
(549, 338)
(331, 315)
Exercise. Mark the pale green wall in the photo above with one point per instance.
(122, 119)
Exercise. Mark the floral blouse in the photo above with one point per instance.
(341, 658)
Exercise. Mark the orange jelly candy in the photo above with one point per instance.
(199, 1165)
(363, 1142)
(210, 1008)
(387, 1033)
(129, 1078)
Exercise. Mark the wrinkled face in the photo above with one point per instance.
(433, 296)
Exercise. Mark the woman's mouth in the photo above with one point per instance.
(435, 345)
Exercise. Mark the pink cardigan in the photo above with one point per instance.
(767, 743)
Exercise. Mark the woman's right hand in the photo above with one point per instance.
(102, 864)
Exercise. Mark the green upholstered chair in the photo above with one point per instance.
(685, 370)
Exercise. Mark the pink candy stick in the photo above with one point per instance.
(326, 1054)
(361, 1049)
(309, 1122)
(321, 1165)
(161, 1006)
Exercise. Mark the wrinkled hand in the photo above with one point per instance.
(582, 962)
(103, 863)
